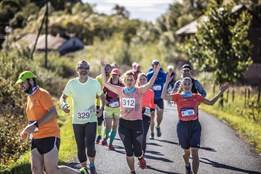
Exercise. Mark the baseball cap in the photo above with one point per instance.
(83, 64)
(155, 62)
(24, 76)
(186, 67)
(116, 71)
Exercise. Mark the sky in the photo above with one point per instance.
(148, 10)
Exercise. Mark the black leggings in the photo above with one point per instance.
(85, 138)
(131, 134)
(146, 125)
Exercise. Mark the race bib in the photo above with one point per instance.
(128, 102)
(146, 111)
(156, 87)
(84, 115)
(114, 104)
(187, 112)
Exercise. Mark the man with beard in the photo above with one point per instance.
(42, 128)
(83, 91)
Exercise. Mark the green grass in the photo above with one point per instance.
(245, 119)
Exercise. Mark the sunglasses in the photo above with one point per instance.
(188, 83)
(83, 68)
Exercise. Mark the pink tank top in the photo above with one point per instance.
(131, 105)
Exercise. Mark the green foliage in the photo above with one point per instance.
(221, 45)
(13, 100)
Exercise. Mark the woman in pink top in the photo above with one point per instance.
(188, 127)
(130, 123)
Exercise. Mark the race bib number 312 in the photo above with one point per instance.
(128, 102)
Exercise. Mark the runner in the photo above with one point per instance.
(107, 69)
(83, 91)
(147, 107)
(157, 88)
(188, 127)
(196, 85)
(112, 109)
(130, 123)
(42, 128)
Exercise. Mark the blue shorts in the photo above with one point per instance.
(189, 133)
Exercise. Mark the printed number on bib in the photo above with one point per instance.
(147, 111)
(114, 104)
(84, 115)
(128, 102)
(187, 112)
(156, 87)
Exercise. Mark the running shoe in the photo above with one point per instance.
(104, 142)
(111, 147)
(93, 170)
(158, 132)
(142, 163)
(84, 170)
(133, 172)
(188, 169)
(152, 136)
(98, 139)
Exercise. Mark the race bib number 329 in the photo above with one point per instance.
(128, 102)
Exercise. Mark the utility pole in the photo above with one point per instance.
(46, 36)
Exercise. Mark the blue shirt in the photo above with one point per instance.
(157, 87)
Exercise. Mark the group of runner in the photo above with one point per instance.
(129, 102)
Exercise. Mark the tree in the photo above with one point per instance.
(221, 45)
(120, 10)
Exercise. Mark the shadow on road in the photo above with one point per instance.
(224, 166)
(160, 171)
(208, 149)
(167, 141)
(154, 152)
(157, 158)
(153, 144)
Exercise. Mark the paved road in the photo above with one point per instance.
(222, 151)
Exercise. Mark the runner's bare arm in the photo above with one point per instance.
(223, 88)
(104, 81)
(100, 110)
(164, 94)
(147, 86)
(52, 112)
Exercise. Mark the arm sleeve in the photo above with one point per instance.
(200, 88)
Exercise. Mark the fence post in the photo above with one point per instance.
(245, 97)
(233, 95)
(258, 99)
(227, 95)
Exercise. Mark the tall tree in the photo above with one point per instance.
(221, 45)
(120, 10)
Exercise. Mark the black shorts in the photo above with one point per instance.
(45, 145)
(100, 119)
(160, 103)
